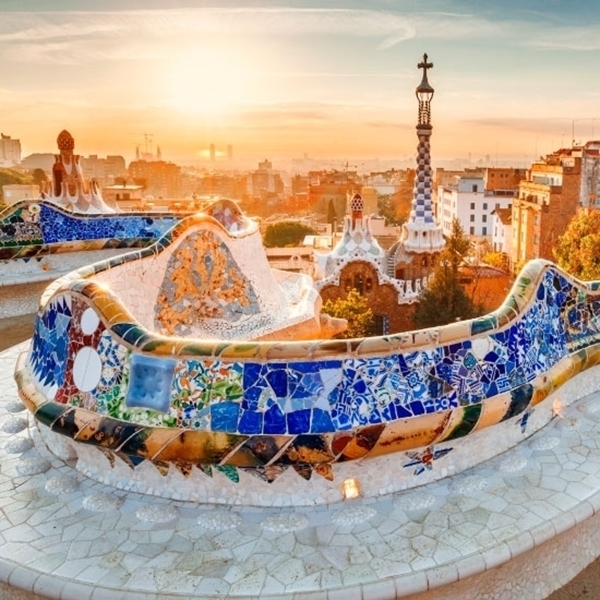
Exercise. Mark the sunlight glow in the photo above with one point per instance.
(206, 81)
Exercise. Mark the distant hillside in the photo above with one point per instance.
(10, 176)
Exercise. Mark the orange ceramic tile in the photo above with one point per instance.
(405, 434)
(493, 410)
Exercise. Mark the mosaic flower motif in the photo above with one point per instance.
(424, 460)
(197, 385)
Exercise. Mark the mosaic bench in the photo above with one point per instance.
(34, 229)
(183, 416)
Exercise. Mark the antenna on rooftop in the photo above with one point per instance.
(147, 142)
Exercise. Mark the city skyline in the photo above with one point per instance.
(512, 80)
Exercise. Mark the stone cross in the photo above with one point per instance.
(425, 65)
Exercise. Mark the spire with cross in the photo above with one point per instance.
(425, 65)
(424, 93)
(421, 234)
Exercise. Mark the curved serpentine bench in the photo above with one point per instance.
(153, 412)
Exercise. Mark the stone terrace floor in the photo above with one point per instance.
(65, 536)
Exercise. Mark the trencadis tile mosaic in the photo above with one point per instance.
(260, 405)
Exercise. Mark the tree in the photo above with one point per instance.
(445, 299)
(331, 216)
(578, 249)
(395, 208)
(10, 176)
(355, 309)
(39, 176)
(498, 260)
(286, 234)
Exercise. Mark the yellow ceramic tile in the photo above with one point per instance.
(493, 411)
(204, 447)
(406, 434)
(454, 332)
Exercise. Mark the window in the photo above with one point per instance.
(485, 206)
(484, 231)
(358, 283)
(484, 218)
(472, 230)
(472, 205)
(474, 188)
(380, 325)
(472, 218)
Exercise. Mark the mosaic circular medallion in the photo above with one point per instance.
(219, 520)
(89, 321)
(285, 522)
(87, 369)
(101, 502)
(354, 515)
(14, 425)
(18, 445)
(61, 484)
(156, 513)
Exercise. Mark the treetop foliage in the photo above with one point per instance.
(445, 299)
(578, 249)
(11, 177)
(355, 309)
(286, 234)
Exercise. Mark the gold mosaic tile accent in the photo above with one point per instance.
(202, 281)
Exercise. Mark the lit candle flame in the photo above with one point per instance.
(350, 489)
(558, 408)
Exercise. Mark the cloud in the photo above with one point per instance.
(44, 29)
(90, 33)
(582, 39)
(540, 125)
(169, 23)
(447, 26)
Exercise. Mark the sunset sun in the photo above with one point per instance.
(209, 81)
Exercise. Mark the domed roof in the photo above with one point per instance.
(65, 140)
(357, 204)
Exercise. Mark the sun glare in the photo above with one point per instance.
(207, 81)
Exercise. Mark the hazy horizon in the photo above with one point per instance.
(513, 80)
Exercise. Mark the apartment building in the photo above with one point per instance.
(502, 230)
(472, 198)
(10, 151)
(105, 171)
(545, 204)
(159, 178)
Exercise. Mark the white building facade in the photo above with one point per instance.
(502, 230)
(10, 151)
(473, 206)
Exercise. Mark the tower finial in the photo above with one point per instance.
(424, 93)
(425, 65)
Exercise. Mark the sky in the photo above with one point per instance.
(513, 79)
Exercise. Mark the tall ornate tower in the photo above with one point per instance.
(421, 239)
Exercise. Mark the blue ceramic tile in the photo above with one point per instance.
(274, 420)
(298, 421)
(321, 422)
(251, 422)
(149, 382)
(224, 416)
